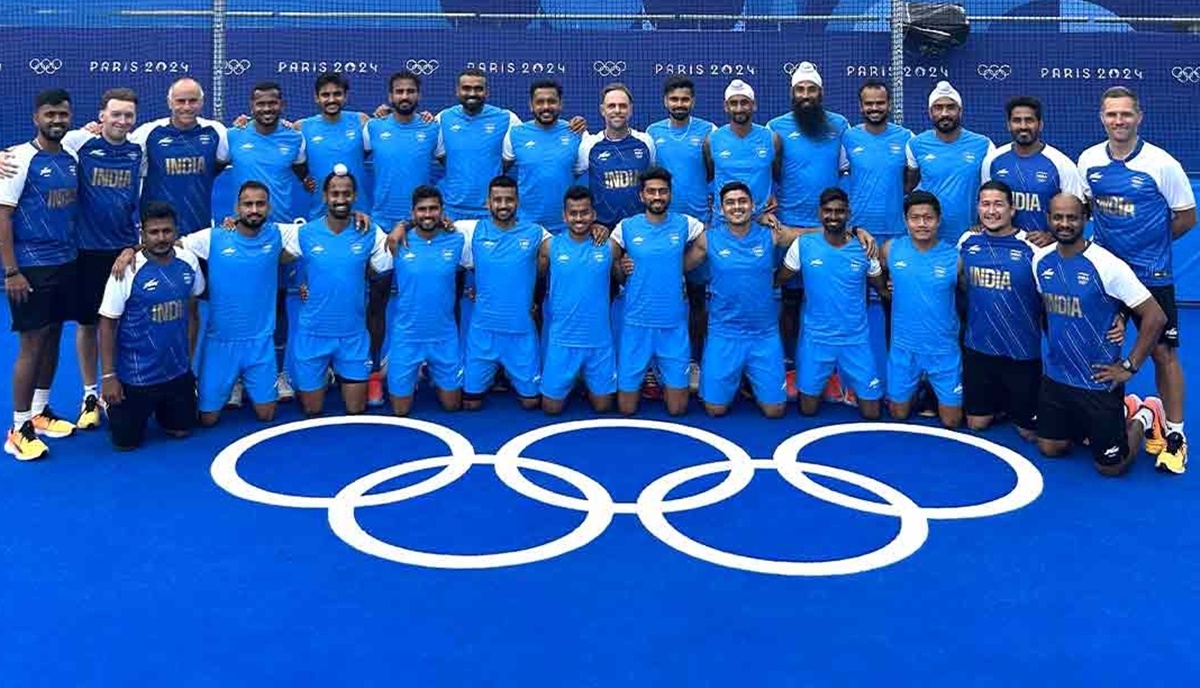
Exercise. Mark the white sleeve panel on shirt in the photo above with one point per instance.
(1038, 255)
(617, 236)
(440, 150)
(791, 259)
(301, 153)
(222, 137)
(467, 229)
(1069, 180)
(963, 239)
(513, 119)
(188, 257)
(75, 139)
(1172, 181)
(646, 139)
(1117, 277)
(506, 149)
(11, 187)
(199, 242)
(381, 257)
(910, 156)
(290, 236)
(695, 228)
(116, 293)
(985, 172)
(1096, 156)
(585, 151)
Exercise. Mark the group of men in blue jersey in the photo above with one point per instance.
(460, 245)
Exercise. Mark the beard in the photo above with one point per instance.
(810, 119)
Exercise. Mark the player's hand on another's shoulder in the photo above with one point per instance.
(382, 111)
(302, 290)
(93, 128)
(240, 121)
(427, 116)
(229, 223)
(1040, 239)
(8, 164)
(627, 265)
(600, 234)
(397, 237)
(577, 125)
(362, 222)
(122, 263)
(866, 240)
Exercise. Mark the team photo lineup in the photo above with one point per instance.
(578, 260)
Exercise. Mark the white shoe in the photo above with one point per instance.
(283, 389)
(235, 396)
(694, 377)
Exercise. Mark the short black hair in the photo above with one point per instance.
(923, 198)
(51, 96)
(545, 83)
(874, 83)
(158, 210)
(1024, 101)
(404, 75)
(424, 192)
(331, 78)
(127, 95)
(578, 193)
(735, 185)
(655, 173)
(1121, 92)
(833, 193)
(502, 182)
(470, 71)
(334, 175)
(264, 86)
(253, 184)
(678, 81)
(997, 185)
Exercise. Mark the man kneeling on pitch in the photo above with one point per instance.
(146, 337)
(1083, 287)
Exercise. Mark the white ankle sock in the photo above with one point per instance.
(41, 397)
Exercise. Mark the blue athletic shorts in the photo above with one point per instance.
(667, 347)
(405, 358)
(944, 371)
(225, 361)
(855, 364)
(487, 350)
(563, 364)
(349, 356)
(726, 358)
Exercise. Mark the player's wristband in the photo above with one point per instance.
(11, 272)
(108, 376)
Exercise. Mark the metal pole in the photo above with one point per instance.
(898, 13)
(218, 57)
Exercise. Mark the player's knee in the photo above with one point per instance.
(472, 401)
(950, 421)
(264, 412)
(899, 411)
(552, 407)
(1164, 355)
(870, 410)
(808, 406)
(207, 420)
(178, 434)
(1112, 462)
(774, 411)
(716, 410)
(602, 404)
(531, 403)
(979, 423)
(1052, 448)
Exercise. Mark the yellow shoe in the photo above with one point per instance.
(1173, 458)
(24, 444)
(1156, 437)
(89, 414)
(50, 425)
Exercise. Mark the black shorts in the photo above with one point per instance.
(995, 384)
(172, 403)
(92, 271)
(1074, 414)
(1165, 296)
(52, 301)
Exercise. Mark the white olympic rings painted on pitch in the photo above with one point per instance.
(609, 67)
(422, 67)
(994, 72)
(45, 65)
(236, 67)
(651, 506)
(1186, 74)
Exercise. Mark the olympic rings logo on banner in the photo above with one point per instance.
(237, 67)
(994, 72)
(45, 65)
(652, 505)
(1186, 74)
(609, 67)
(422, 67)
